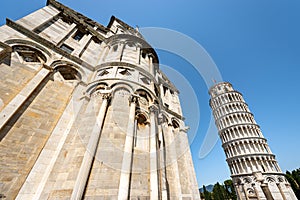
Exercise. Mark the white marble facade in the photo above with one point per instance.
(86, 113)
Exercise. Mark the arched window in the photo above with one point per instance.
(29, 54)
(101, 86)
(141, 120)
(68, 73)
(230, 98)
(145, 96)
(175, 124)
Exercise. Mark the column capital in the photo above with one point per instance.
(153, 108)
(133, 98)
(104, 94)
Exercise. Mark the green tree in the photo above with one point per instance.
(219, 192)
(230, 189)
(294, 184)
(296, 176)
(207, 195)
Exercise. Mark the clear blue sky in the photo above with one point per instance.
(255, 44)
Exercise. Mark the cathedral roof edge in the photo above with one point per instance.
(67, 10)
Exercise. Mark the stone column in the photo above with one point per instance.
(291, 192)
(245, 191)
(40, 172)
(104, 54)
(238, 191)
(68, 32)
(90, 152)
(138, 50)
(266, 190)
(188, 162)
(153, 154)
(152, 67)
(269, 165)
(174, 160)
(248, 165)
(256, 191)
(238, 171)
(281, 192)
(11, 108)
(120, 50)
(127, 157)
(162, 154)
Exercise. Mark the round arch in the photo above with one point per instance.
(175, 122)
(96, 86)
(121, 85)
(36, 46)
(143, 93)
(58, 64)
(142, 117)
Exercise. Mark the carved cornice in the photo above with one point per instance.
(80, 19)
(244, 139)
(250, 156)
(129, 28)
(30, 34)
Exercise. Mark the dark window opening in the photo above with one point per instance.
(29, 54)
(65, 18)
(263, 168)
(69, 73)
(141, 121)
(125, 72)
(96, 40)
(115, 48)
(165, 89)
(130, 44)
(143, 54)
(67, 49)
(175, 124)
(29, 57)
(78, 35)
(103, 73)
(145, 80)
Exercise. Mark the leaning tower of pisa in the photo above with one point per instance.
(254, 169)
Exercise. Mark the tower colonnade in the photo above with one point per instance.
(254, 169)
